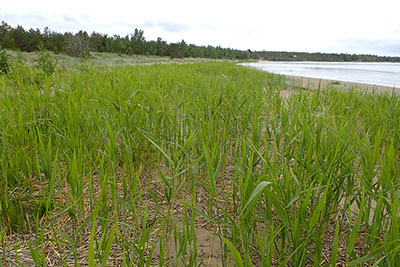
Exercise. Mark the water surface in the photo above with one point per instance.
(385, 74)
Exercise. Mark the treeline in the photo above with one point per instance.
(303, 56)
(82, 43)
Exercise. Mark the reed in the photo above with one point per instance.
(131, 165)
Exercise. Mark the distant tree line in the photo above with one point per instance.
(303, 56)
(82, 43)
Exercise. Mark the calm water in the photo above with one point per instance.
(386, 74)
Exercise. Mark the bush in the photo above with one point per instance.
(129, 51)
(4, 61)
(46, 65)
(19, 60)
(86, 64)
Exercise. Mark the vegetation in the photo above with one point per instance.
(45, 63)
(82, 43)
(194, 164)
(4, 61)
(330, 57)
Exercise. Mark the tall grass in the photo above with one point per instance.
(127, 165)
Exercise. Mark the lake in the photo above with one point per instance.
(385, 74)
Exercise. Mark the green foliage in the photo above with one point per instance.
(4, 61)
(78, 45)
(81, 44)
(19, 60)
(46, 65)
(129, 51)
(86, 63)
(138, 161)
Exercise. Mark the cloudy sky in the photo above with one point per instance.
(338, 26)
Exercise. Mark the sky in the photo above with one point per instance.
(328, 26)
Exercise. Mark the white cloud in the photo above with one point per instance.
(309, 25)
(168, 26)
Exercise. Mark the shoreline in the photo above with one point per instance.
(313, 83)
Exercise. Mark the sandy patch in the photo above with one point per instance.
(208, 248)
(314, 83)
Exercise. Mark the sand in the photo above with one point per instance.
(313, 83)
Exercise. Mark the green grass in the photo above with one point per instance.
(127, 165)
(103, 59)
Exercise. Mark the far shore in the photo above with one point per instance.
(314, 83)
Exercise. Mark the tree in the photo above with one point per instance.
(6, 41)
(20, 38)
(57, 42)
(184, 48)
(105, 43)
(78, 45)
(138, 42)
(95, 42)
(175, 51)
(161, 47)
(34, 38)
(117, 44)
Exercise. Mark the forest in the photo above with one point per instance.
(80, 44)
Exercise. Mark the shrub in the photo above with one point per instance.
(19, 60)
(45, 64)
(86, 63)
(4, 61)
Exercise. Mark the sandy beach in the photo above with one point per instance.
(313, 83)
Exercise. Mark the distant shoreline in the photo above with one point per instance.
(313, 61)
